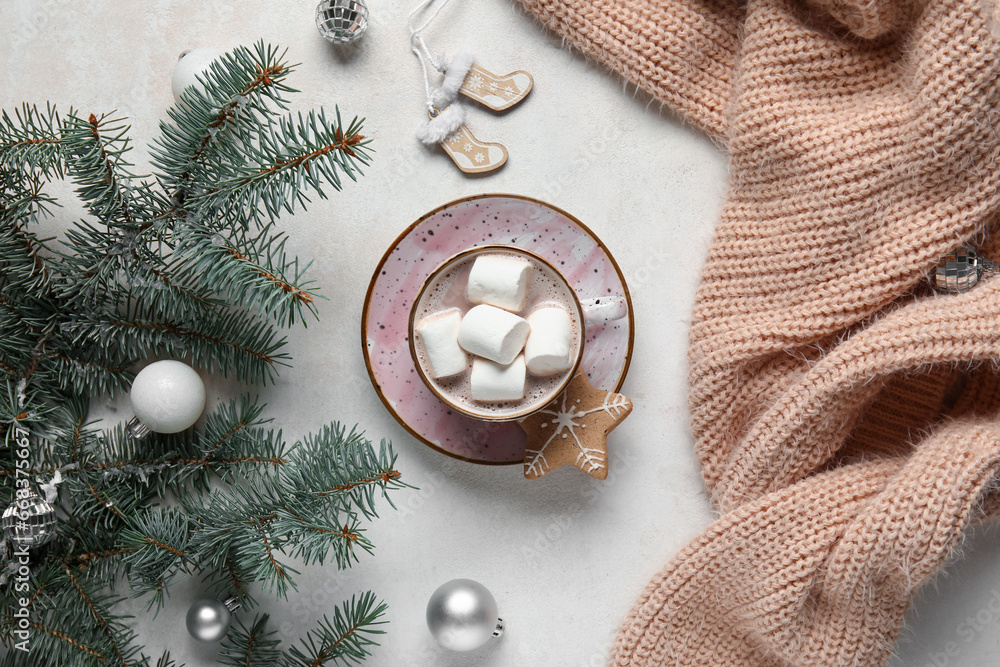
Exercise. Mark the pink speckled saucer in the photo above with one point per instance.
(456, 226)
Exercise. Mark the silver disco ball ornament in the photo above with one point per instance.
(29, 522)
(958, 271)
(342, 21)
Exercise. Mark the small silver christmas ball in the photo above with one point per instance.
(462, 615)
(342, 21)
(208, 620)
(29, 522)
(958, 271)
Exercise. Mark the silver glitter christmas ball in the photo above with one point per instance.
(342, 21)
(29, 522)
(462, 615)
(958, 271)
(208, 620)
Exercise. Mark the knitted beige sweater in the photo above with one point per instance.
(847, 419)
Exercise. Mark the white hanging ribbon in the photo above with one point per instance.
(441, 125)
(419, 46)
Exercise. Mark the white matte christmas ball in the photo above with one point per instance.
(168, 396)
(188, 68)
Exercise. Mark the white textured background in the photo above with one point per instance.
(565, 555)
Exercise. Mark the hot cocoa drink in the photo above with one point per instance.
(496, 332)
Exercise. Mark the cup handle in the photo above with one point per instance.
(600, 309)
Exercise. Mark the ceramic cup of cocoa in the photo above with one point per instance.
(496, 332)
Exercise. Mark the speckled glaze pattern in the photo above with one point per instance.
(484, 219)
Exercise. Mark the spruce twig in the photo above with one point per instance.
(252, 646)
(347, 638)
(185, 262)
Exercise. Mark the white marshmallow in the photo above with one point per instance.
(438, 333)
(499, 281)
(547, 350)
(493, 382)
(495, 334)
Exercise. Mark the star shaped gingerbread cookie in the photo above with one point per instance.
(573, 430)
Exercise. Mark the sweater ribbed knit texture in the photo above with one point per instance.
(847, 419)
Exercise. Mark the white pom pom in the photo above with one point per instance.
(442, 126)
(455, 71)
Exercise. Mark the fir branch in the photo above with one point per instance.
(38, 351)
(9, 370)
(108, 501)
(250, 647)
(170, 297)
(157, 542)
(22, 201)
(55, 643)
(96, 608)
(25, 272)
(345, 639)
(66, 436)
(31, 139)
(17, 342)
(100, 260)
(14, 323)
(231, 579)
(231, 441)
(313, 533)
(137, 278)
(95, 150)
(301, 512)
(71, 622)
(275, 574)
(351, 473)
(231, 426)
(273, 176)
(231, 343)
(166, 661)
(86, 561)
(85, 373)
(236, 523)
(254, 269)
(228, 108)
(85, 597)
(100, 506)
(21, 406)
(94, 556)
